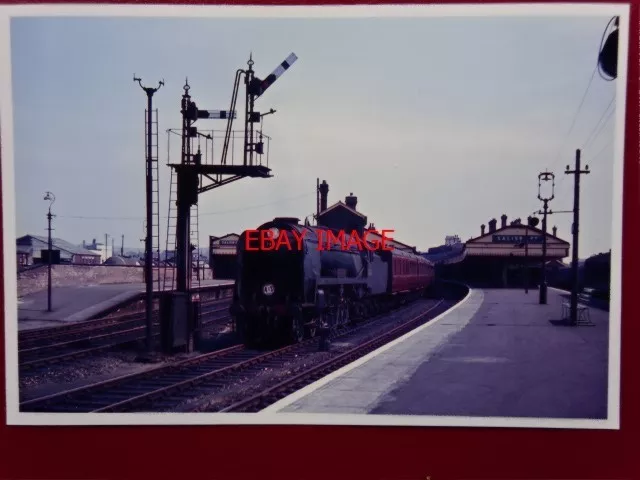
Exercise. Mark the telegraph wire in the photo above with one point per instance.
(597, 130)
(601, 151)
(201, 214)
(575, 117)
(591, 135)
(597, 68)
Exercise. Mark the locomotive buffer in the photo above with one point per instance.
(178, 309)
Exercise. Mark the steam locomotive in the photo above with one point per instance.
(285, 293)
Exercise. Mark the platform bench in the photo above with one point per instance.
(583, 312)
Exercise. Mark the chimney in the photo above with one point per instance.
(324, 192)
(482, 227)
(84, 245)
(555, 230)
(492, 225)
(504, 221)
(351, 201)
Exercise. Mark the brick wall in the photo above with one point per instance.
(35, 280)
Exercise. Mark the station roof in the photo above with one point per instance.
(531, 231)
(510, 241)
(42, 243)
(341, 205)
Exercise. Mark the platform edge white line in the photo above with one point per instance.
(303, 392)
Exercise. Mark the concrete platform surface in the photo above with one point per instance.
(498, 354)
(75, 304)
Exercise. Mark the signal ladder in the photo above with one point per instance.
(155, 194)
(170, 255)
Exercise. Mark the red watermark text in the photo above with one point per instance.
(266, 240)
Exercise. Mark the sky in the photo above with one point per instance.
(437, 125)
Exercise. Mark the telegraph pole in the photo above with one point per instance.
(526, 258)
(531, 222)
(148, 261)
(546, 177)
(575, 231)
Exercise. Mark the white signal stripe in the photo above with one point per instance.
(284, 66)
(280, 69)
(220, 114)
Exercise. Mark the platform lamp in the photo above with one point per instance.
(545, 176)
(51, 198)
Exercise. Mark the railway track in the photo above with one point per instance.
(168, 387)
(101, 336)
(39, 336)
(271, 395)
(42, 336)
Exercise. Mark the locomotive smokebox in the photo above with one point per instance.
(351, 201)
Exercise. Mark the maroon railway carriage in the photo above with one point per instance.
(410, 272)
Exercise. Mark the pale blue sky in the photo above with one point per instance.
(437, 125)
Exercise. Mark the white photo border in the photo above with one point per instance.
(15, 417)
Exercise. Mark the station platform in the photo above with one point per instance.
(498, 353)
(80, 303)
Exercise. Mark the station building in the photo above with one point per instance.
(507, 256)
(32, 249)
(222, 256)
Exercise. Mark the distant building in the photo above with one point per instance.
(222, 256)
(343, 216)
(508, 256)
(452, 240)
(122, 261)
(30, 248)
(105, 251)
(24, 255)
(389, 242)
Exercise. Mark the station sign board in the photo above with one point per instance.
(226, 242)
(222, 246)
(517, 239)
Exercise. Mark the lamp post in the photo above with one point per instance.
(545, 177)
(51, 198)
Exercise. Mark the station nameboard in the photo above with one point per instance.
(227, 242)
(516, 239)
(217, 242)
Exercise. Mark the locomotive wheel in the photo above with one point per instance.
(297, 329)
(358, 313)
(343, 315)
(312, 328)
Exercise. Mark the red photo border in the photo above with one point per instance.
(358, 452)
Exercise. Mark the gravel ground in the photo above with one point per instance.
(85, 371)
(92, 369)
(259, 378)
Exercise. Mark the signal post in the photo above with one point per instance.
(178, 310)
